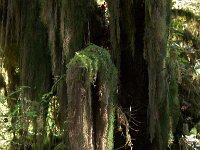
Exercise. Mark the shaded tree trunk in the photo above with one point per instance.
(155, 53)
(35, 69)
(74, 22)
(133, 68)
(52, 18)
(143, 29)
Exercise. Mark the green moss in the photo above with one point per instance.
(95, 60)
(193, 131)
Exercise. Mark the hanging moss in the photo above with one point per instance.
(88, 58)
(75, 18)
(51, 18)
(10, 23)
(174, 104)
(155, 53)
(83, 70)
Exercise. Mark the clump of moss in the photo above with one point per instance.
(95, 60)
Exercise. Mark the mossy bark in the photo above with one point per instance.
(67, 23)
(174, 103)
(74, 34)
(79, 113)
(51, 18)
(35, 67)
(155, 53)
(92, 115)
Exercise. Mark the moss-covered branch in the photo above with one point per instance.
(91, 66)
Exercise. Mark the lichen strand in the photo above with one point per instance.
(67, 23)
(155, 53)
(174, 104)
(82, 72)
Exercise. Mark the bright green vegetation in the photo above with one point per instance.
(95, 60)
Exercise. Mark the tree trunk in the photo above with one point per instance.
(155, 54)
(133, 68)
(51, 16)
(140, 32)
(35, 71)
(92, 114)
